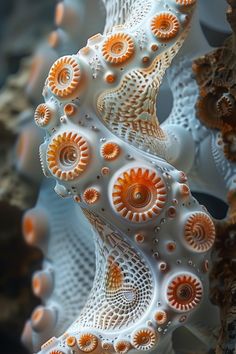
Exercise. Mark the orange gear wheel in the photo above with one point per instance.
(67, 156)
(165, 26)
(184, 292)
(199, 232)
(122, 346)
(139, 194)
(42, 115)
(91, 196)
(70, 109)
(144, 339)
(64, 76)
(110, 151)
(160, 317)
(185, 2)
(87, 342)
(118, 48)
(71, 341)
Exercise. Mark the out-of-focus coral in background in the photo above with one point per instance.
(23, 24)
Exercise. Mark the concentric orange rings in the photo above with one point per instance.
(87, 342)
(42, 115)
(139, 194)
(199, 232)
(71, 341)
(165, 26)
(184, 292)
(122, 346)
(67, 155)
(144, 339)
(64, 76)
(160, 317)
(91, 195)
(118, 48)
(110, 151)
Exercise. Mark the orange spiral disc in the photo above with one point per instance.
(64, 76)
(122, 346)
(70, 109)
(165, 26)
(42, 115)
(144, 339)
(184, 292)
(87, 342)
(160, 317)
(110, 151)
(139, 194)
(199, 232)
(67, 156)
(118, 48)
(91, 195)
(71, 341)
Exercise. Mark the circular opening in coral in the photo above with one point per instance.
(68, 156)
(171, 246)
(71, 341)
(184, 292)
(109, 149)
(165, 26)
(138, 195)
(117, 48)
(139, 238)
(64, 77)
(144, 339)
(199, 232)
(41, 116)
(160, 317)
(69, 109)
